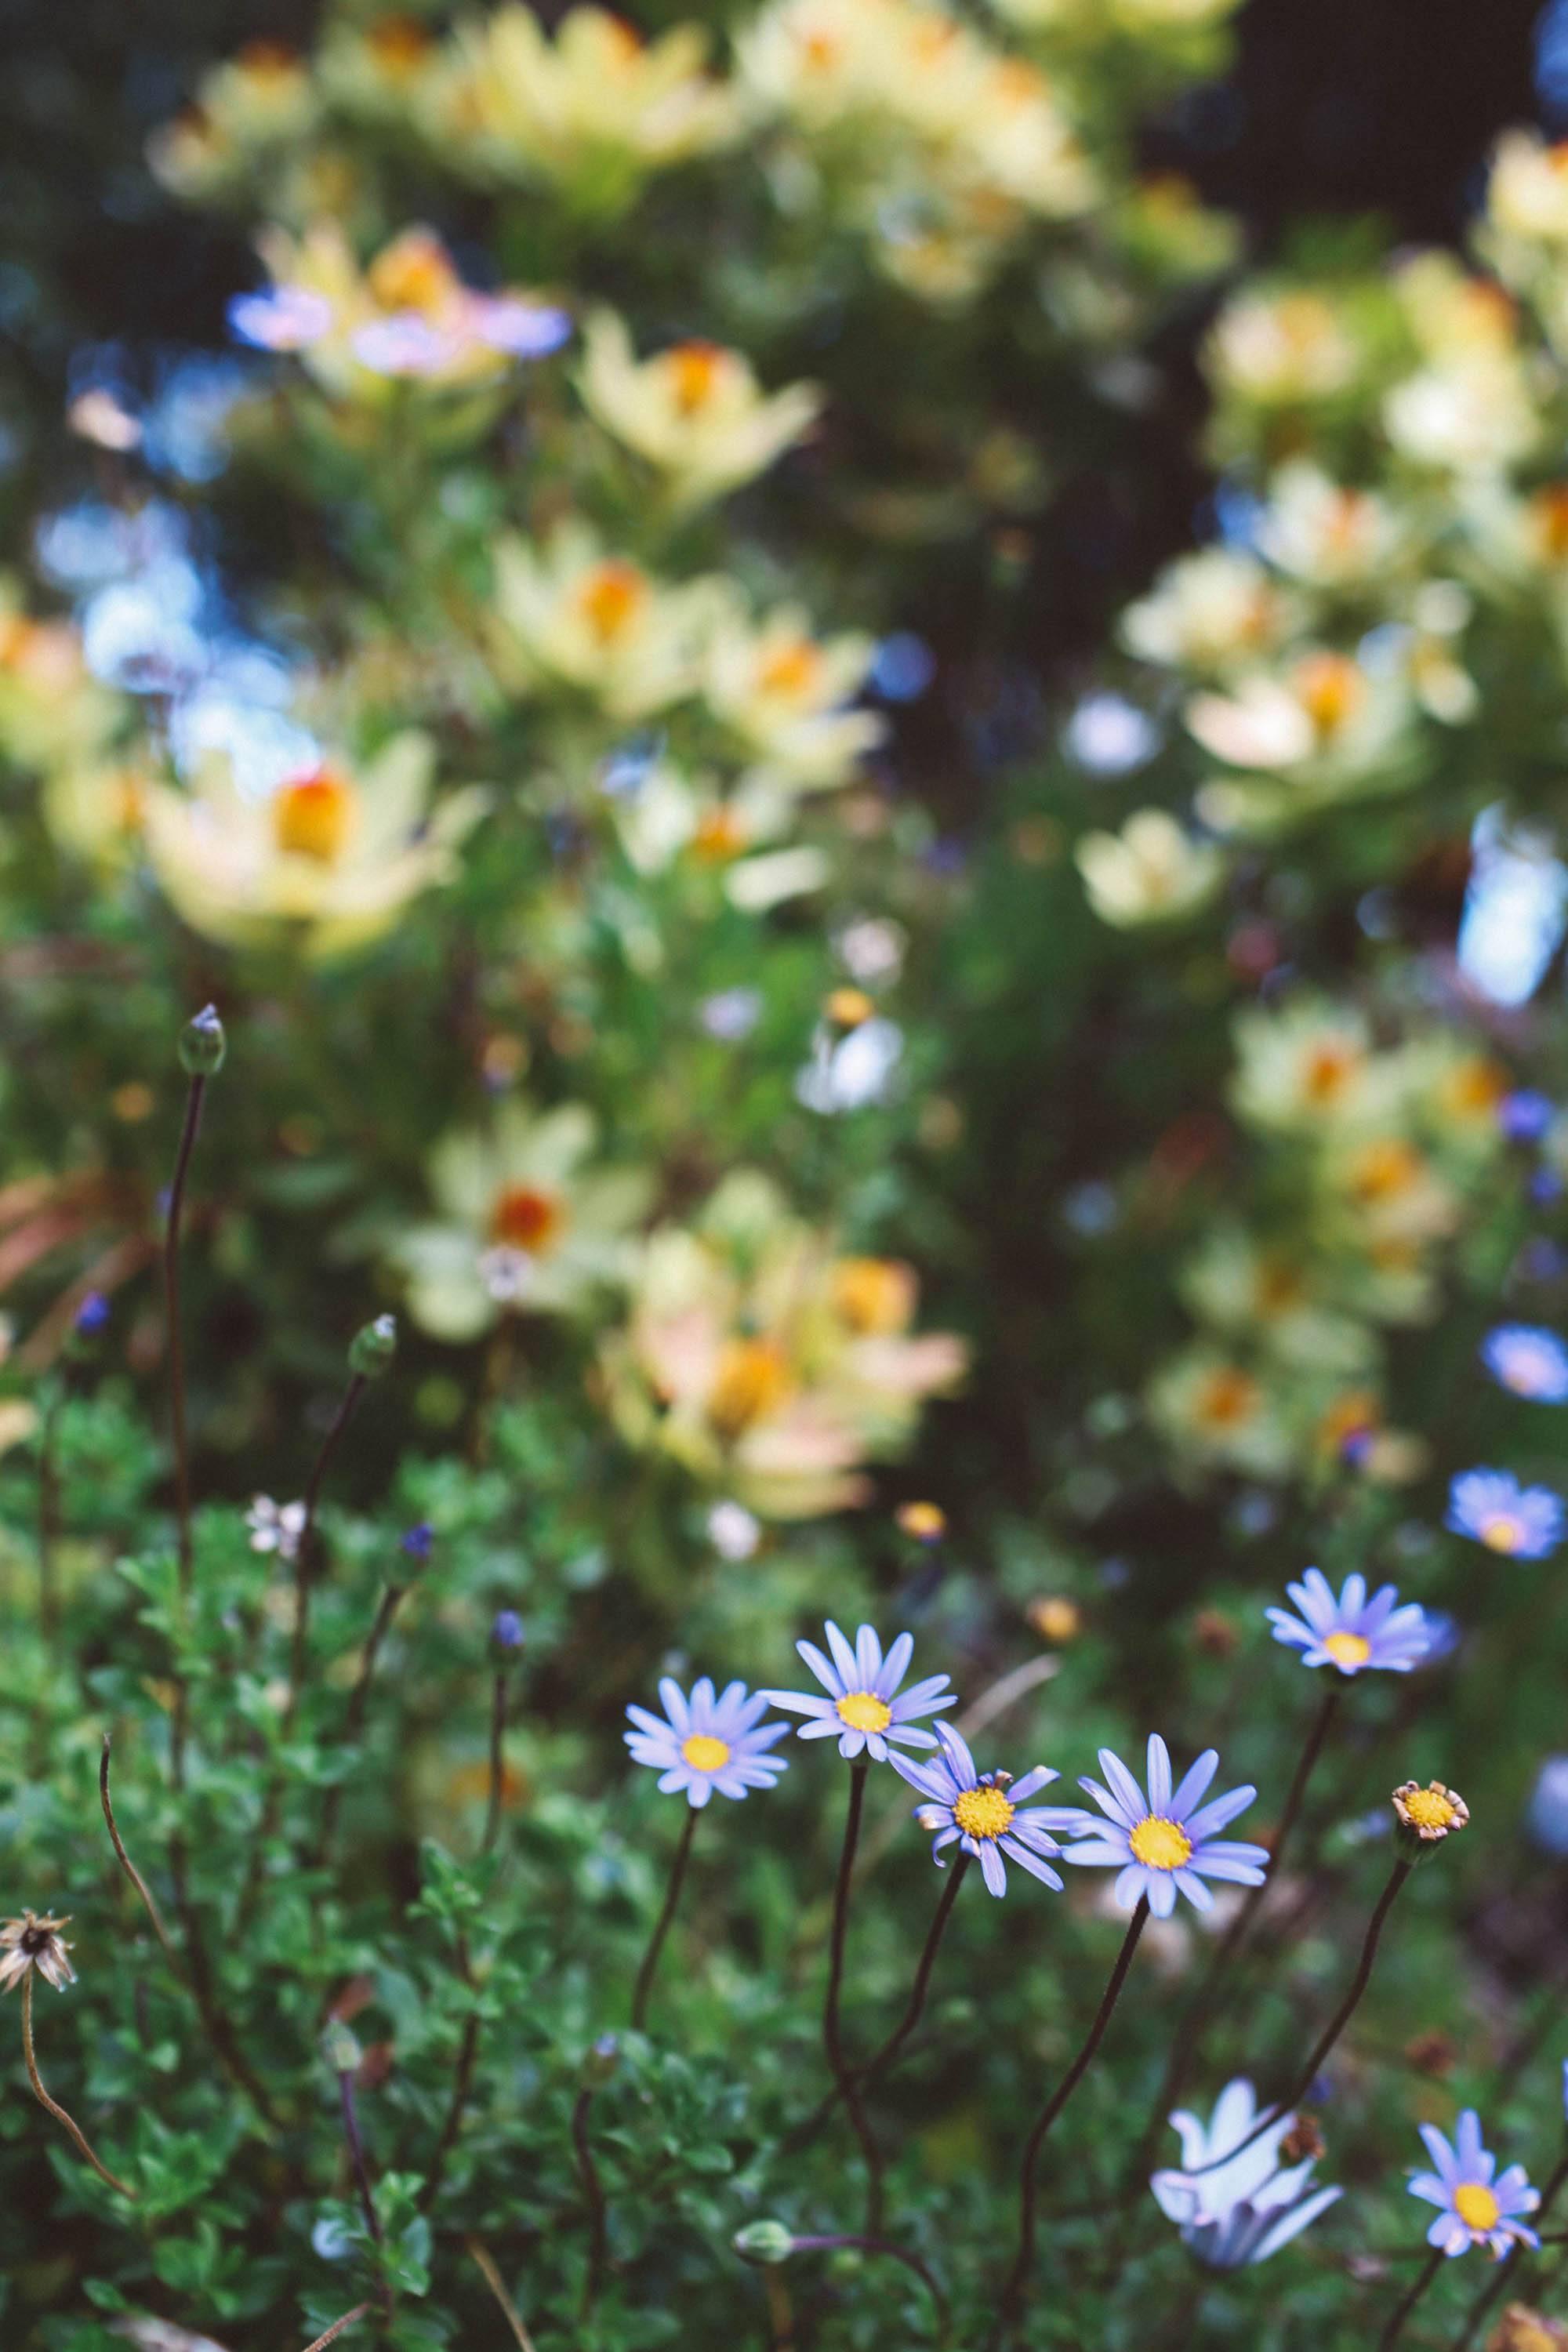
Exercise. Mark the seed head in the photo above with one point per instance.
(30, 1943)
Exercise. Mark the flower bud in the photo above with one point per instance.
(506, 1636)
(340, 2047)
(203, 1044)
(1425, 1816)
(373, 1348)
(601, 2062)
(764, 2243)
(415, 1545)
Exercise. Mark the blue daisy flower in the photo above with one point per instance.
(280, 319)
(1353, 1634)
(984, 1813)
(1244, 2210)
(1528, 1359)
(864, 1706)
(708, 1742)
(1165, 1841)
(1525, 1114)
(1475, 2208)
(1492, 1508)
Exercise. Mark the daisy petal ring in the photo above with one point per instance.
(984, 1814)
(864, 1706)
(1477, 2205)
(708, 1742)
(1165, 1841)
(1353, 1634)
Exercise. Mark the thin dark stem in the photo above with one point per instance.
(462, 2083)
(1408, 2301)
(127, 1866)
(498, 1765)
(53, 2106)
(485, 2263)
(906, 2025)
(1512, 2262)
(48, 1514)
(832, 2038)
(1333, 2031)
(1195, 2019)
(1016, 2290)
(356, 2153)
(588, 2173)
(897, 2253)
(176, 1337)
(661, 1929)
(353, 1719)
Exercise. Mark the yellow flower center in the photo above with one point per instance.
(720, 834)
(1385, 1169)
(753, 1377)
(704, 1753)
(1226, 1397)
(1502, 1533)
(863, 1711)
(694, 371)
(1477, 2207)
(399, 43)
(1430, 1809)
(792, 670)
(982, 1812)
(1348, 1649)
(413, 273)
(315, 817)
(1328, 1071)
(872, 1294)
(1549, 507)
(610, 599)
(1159, 1843)
(527, 1219)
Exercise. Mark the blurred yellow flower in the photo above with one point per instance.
(695, 411)
(525, 1222)
(1207, 1404)
(327, 860)
(1213, 612)
(1152, 871)
(569, 612)
(262, 98)
(384, 70)
(781, 691)
(770, 1369)
(1326, 534)
(1281, 350)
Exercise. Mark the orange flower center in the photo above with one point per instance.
(610, 599)
(413, 273)
(1385, 1169)
(315, 817)
(1227, 1397)
(1549, 507)
(1331, 689)
(1327, 1072)
(720, 835)
(273, 60)
(694, 369)
(527, 1219)
(399, 43)
(792, 670)
(752, 1378)
(872, 1294)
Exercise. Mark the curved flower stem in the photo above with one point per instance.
(844, 2078)
(1195, 2019)
(360, 2311)
(53, 2105)
(462, 2083)
(1016, 2290)
(898, 2253)
(492, 2278)
(661, 1929)
(1331, 2031)
(353, 1720)
(588, 2172)
(176, 1344)
(127, 1866)
(1408, 2301)
(1512, 2262)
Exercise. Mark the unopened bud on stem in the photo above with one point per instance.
(203, 1044)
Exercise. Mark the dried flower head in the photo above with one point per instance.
(1303, 2140)
(1523, 2330)
(1432, 1813)
(30, 1943)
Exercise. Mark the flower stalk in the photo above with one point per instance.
(1394, 2327)
(84, 2146)
(644, 1986)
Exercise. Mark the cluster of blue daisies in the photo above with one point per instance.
(1491, 1506)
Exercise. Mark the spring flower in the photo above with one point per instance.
(984, 1814)
(30, 1943)
(708, 1742)
(276, 1526)
(595, 109)
(1245, 2211)
(569, 612)
(1494, 1509)
(1324, 534)
(1352, 1633)
(1165, 1842)
(330, 858)
(524, 1221)
(1525, 1116)
(695, 412)
(387, 70)
(864, 1708)
(1324, 725)
(1432, 1814)
(260, 101)
(1531, 1361)
(1150, 872)
(1210, 613)
(1276, 349)
(1477, 2206)
(781, 693)
(1207, 1403)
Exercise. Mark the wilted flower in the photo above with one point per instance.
(864, 1708)
(695, 411)
(984, 1814)
(276, 1526)
(1492, 1508)
(1245, 2211)
(330, 857)
(1528, 1359)
(708, 1742)
(1164, 1842)
(1432, 1814)
(1352, 1633)
(525, 1221)
(30, 1943)
(1523, 2330)
(1475, 2208)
